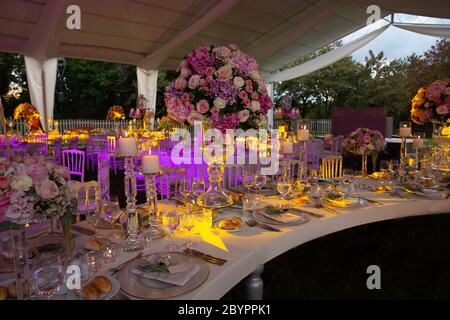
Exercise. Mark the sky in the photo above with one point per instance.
(389, 43)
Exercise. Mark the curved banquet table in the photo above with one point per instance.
(249, 249)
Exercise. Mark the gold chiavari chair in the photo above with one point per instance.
(331, 167)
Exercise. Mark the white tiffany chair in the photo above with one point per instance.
(88, 196)
(74, 161)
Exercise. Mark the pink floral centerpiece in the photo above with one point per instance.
(220, 86)
(432, 103)
(365, 142)
(32, 190)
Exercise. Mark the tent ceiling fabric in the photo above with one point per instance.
(157, 34)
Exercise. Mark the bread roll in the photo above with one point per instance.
(92, 245)
(102, 284)
(237, 221)
(90, 293)
(3, 293)
(103, 241)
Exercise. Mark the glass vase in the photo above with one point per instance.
(364, 165)
(21, 268)
(215, 197)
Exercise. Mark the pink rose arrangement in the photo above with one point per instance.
(432, 103)
(33, 189)
(220, 86)
(364, 141)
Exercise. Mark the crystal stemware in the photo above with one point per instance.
(198, 187)
(188, 223)
(171, 221)
(260, 182)
(248, 180)
(283, 187)
(185, 188)
(48, 277)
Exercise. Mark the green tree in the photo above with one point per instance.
(12, 78)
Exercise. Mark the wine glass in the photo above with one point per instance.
(189, 219)
(111, 209)
(384, 166)
(185, 188)
(171, 221)
(48, 277)
(248, 180)
(198, 187)
(283, 187)
(260, 182)
(313, 176)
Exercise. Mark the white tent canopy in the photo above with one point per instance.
(154, 34)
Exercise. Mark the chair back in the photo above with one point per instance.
(169, 181)
(74, 161)
(337, 144)
(103, 178)
(313, 151)
(232, 175)
(111, 146)
(57, 150)
(331, 167)
(87, 194)
(74, 143)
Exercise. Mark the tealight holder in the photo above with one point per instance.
(154, 231)
(110, 253)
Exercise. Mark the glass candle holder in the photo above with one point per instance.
(110, 253)
(93, 260)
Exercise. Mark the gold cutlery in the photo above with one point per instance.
(206, 257)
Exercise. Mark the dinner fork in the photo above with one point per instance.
(206, 257)
(254, 223)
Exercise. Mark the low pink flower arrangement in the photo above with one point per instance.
(220, 86)
(364, 141)
(33, 189)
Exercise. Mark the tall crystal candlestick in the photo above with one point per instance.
(418, 145)
(303, 165)
(404, 132)
(154, 231)
(134, 241)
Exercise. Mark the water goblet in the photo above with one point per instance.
(189, 223)
(48, 277)
(171, 221)
(283, 187)
(198, 187)
(260, 182)
(248, 180)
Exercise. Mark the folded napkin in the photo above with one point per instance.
(343, 202)
(175, 278)
(285, 217)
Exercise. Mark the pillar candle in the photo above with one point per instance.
(418, 143)
(128, 147)
(405, 132)
(303, 134)
(150, 164)
(287, 147)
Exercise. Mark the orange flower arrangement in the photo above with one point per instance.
(116, 113)
(26, 112)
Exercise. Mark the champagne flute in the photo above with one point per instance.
(171, 221)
